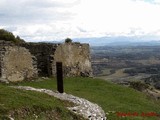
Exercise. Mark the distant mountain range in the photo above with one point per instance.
(116, 41)
(119, 41)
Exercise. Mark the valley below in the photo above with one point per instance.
(133, 66)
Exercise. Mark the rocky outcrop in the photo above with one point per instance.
(17, 63)
(75, 58)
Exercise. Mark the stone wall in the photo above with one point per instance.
(44, 53)
(2, 50)
(27, 60)
(16, 63)
(75, 58)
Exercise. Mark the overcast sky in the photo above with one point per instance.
(39, 20)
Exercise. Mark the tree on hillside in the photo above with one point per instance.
(8, 36)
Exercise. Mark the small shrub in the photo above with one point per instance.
(139, 86)
(8, 36)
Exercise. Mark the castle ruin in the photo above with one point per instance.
(30, 60)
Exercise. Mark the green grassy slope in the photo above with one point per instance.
(109, 96)
(29, 105)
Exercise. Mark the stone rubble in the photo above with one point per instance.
(83, 107)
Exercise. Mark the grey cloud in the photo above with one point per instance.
(81, 29)
(18, 16)
(32, 11)
(41, 3)
(11, 28)
(149, 1)
(48, 3)
(34, 17)
(2, 15)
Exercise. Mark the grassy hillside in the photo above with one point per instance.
(28, 105)
(112, 98)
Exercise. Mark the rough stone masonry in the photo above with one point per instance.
(29, 60)
(16, 63)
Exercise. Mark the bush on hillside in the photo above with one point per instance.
(68, 40)
(8, 36)
(139, 85)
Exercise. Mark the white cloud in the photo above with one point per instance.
(119, 16)
(58, 19)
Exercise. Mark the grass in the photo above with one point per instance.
(111, 97)
(29, 105)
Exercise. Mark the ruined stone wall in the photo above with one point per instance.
(75, 58)
(16, 63)
(27, 60)
(2, 50)
(44, 53)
